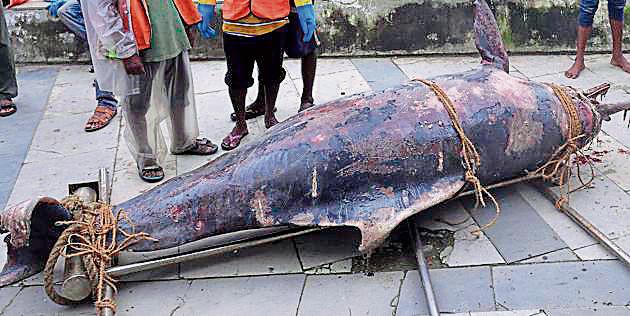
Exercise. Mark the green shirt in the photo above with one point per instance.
(168, 35)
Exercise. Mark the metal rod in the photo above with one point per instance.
(104, 192)
(423, 270)
(501, 184)
(109, 296)
(158, 263)
(585, 224)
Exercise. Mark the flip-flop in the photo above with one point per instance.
(8, 108)
(234, 141)
(199, 144)
(151, 179)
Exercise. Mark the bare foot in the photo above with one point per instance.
(575, 70)
(270, 121)
(621, 62)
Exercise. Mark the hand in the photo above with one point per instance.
(133, 65)
(306, 13)
(207, 14)
(190, 33)
(53, 7)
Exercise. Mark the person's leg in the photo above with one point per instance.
(182, 109)
(256, 108)
(8, 82)
(140, 127)
(240, 63)
(269, 59)
(615, 15)
(585, 26)
(309, 68)
(106, 110)
(72, 17)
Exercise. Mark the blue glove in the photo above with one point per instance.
(306, 13)
(207, 14)
(53, 7)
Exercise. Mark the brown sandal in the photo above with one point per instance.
(233, 139)
(102, 116)
(202, 147)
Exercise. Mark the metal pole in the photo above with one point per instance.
(118, 271)
(585, 224)
(105, 196)
(423, 269)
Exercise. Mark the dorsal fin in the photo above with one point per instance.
(488, 38)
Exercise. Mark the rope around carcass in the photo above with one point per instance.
(92, 237)
(470, 156)
(560, 167)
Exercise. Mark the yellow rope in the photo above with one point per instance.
(91, 236)
(469, 153)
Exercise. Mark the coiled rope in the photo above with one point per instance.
(560, 167)
(91, 236)
(470, 156)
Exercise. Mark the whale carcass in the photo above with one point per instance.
(368, 161)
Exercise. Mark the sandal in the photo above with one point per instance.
(233, 140)
(306, 105)
(7, 107)
(252, 111)
(102, 116)
(202, 147)
(155, 169)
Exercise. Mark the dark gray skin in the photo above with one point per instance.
(368, 161)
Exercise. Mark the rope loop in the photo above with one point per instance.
(470, 157)
(92, 235)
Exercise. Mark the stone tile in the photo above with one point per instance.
(468, 248)
(32, 301)
(7, 295)
(572, 234)
(594, 252)
(604, 204)
(73, 92)
(614, 157)
(209, 76)
(456, 290)
(513, 240)
(127, 182)
(598, 252)
(527, 312)
(62, 135)
(355, 294)
(336, 85)
(270, 295)
(435, 66)
(325, 66)
(559, 285)
(330, 245)
(601, 66)
(275, 258)
(586, 80)
(617, 127)
(151, 298)
(556, 256)
(380, 73)
(343, 266)
(537, 66)
(51, 177)
(40, 79)
(594, 311)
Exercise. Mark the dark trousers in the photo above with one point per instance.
(8, 83)
(242, 52)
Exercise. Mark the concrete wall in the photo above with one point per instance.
(363, 27)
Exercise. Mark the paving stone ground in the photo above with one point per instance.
(534, 261)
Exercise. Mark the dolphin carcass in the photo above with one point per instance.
(368, 161)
